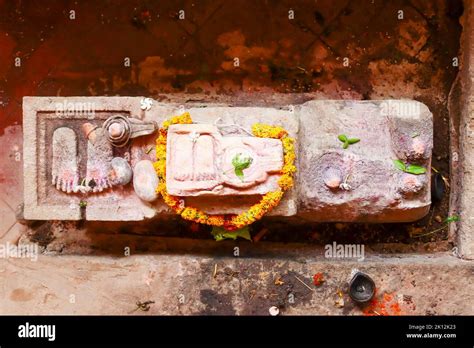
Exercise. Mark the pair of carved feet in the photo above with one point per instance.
(103, 170)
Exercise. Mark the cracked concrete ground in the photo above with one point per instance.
(208, 285)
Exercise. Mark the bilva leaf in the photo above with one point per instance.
(399, 165)
(353, 140)
(342, 138)
(409, 168)
(415, 169)
(347, 141)
(240, 163)
(221, 233)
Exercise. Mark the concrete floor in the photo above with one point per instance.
(209, 285)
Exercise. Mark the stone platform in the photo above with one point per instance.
(356, 183)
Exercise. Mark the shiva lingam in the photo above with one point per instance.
(120, 129)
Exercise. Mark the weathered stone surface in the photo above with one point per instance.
(361, 182)
(227, 117)
(113, 285)
(121, 173)
(145, 181)
(462, 163)
(65, 174)
(199, 162)
(41, 117)
(356, 183)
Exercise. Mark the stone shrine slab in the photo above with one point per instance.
(355, 183)
(43, 201)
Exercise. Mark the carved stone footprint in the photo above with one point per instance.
(103, 171)
(65, 175)
(183, 158)
(99, 158)
(204, 152)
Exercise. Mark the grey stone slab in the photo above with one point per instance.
(378, 192)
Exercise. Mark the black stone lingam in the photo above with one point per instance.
(361, 288)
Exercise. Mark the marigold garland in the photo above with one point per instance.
(229, 222)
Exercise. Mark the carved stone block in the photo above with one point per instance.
(361, 182)
(199, 162)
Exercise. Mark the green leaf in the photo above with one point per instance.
(452, 219)
(221, 233)
(415, 169)
(342, 138)
(239, 173)
(410, 168)
(346, 145)
(240, 163)
(353, 140)
(399, 165)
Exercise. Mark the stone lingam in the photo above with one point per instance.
(104, 158)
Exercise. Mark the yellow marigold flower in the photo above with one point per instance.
(160, 171)
(160, 151)
(181, 119)
(161, 140)
(215, 220)
(288, 143)
(289, 158)
(285, 182)
(289, 169)
(189, 213)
